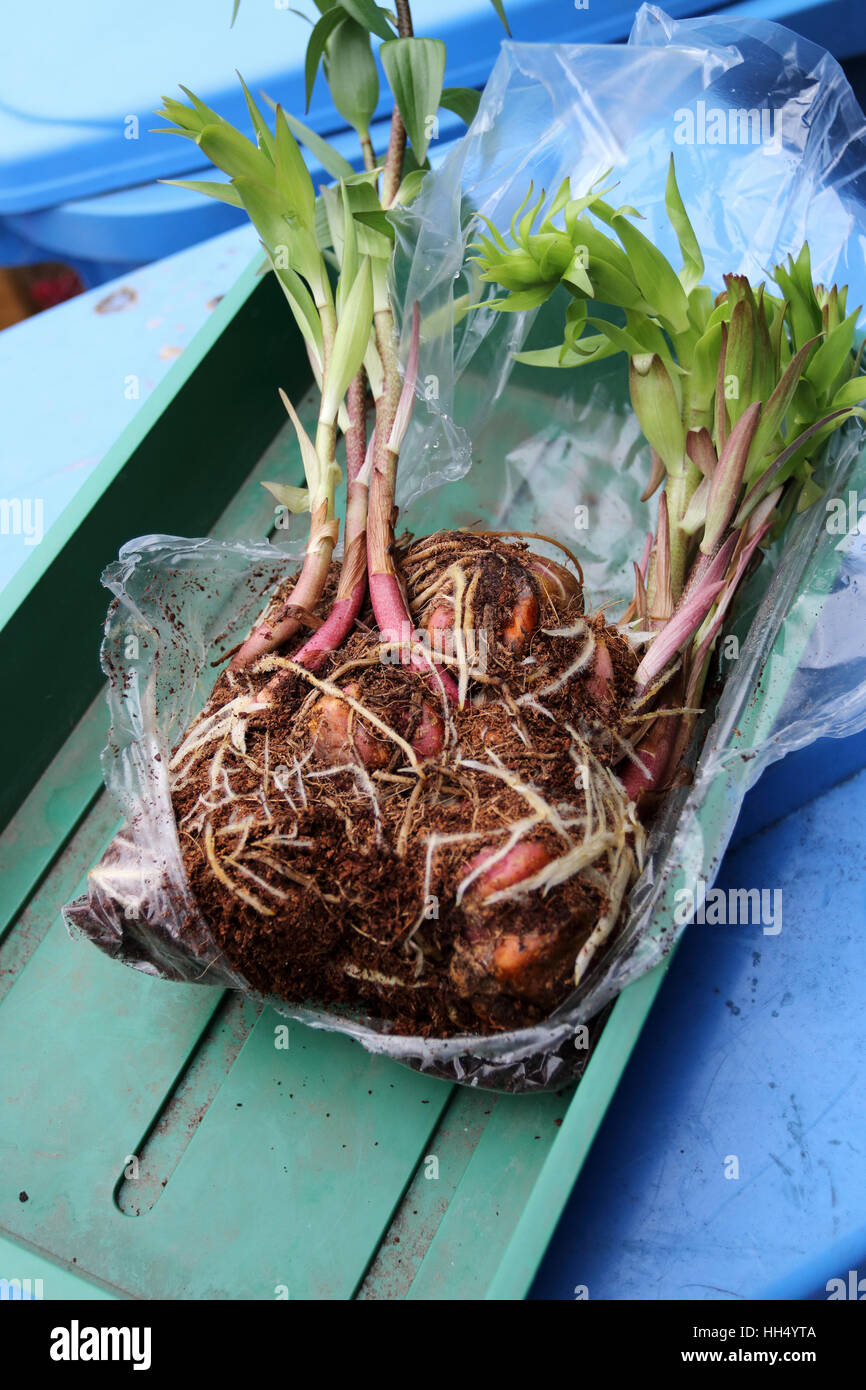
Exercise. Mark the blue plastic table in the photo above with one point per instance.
(753, 1052)
(80, 87)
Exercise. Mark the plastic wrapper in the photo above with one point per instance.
(553, 452)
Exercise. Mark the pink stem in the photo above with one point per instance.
(353, 574)
(386, 595)
(333, 632)
(655, 755)
(305, 595)
(397, 138)
(396, 627)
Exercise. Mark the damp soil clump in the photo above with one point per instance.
(363, 842)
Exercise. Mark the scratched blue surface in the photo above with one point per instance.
(754, 1049)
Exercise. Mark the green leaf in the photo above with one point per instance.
(293, 178)
(554, 255)
(205, 114)
(463, 101)
(410, 187)
(810, 493)
(329, 158)
(727, 479)
(313, 469)
(350, 342)
(358, 194)
(612, 287)
(619, 338)
(598, 247)
(575, 321)
(265, 210)
(287, 240)
(303, 308)
(739, 359)
(852, 393)
(521, 300)
(780, 469)
(500, 10)
(173, 130)
(647, 332)
(415, 69)
(701, 302)
(331, 201)
(705, 366)
(235, 154)
(295, 499)
(655, 276)
(576, 278)
(375, 234)
(693, 261)
(260, 125)
(324, 236)
(795, 281)
(657, 408)
(829, 360)
(322, 31)
(776, 408)
(352, 74)
(349, 259)
(763, 366)
(223, 191)
(543, 357)
(593, 348)
(370, 16)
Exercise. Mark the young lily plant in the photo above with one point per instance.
(330, 250)
(735, 392)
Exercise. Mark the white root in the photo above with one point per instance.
(530, 794)
(458, 579)
(575, 629)
(219, 873)
(362, 776)
(374, 977)
(605, 924)
(214, 726)
(579, 664)
(262, 882)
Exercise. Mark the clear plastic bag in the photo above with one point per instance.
(542, 445)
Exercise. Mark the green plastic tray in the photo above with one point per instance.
(311, 1172)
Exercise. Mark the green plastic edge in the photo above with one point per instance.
(22, 1262)
(40, 560)
(562, 1166)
